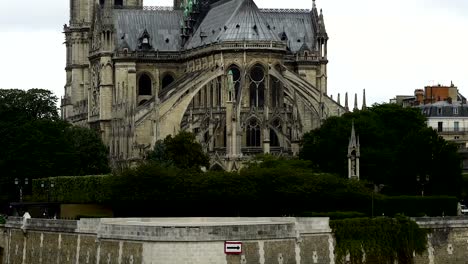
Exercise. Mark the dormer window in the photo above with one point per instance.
(283, 36)
(145, 41)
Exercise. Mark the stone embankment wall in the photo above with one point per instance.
(158, 241)
(447, 240)
(200, 241)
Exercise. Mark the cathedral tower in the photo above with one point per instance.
(77, 35)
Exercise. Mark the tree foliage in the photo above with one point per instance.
(381, 240)
(35, 143)
(397, 148)
(269, 187)
(182, 151)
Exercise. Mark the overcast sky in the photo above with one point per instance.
(387, 47)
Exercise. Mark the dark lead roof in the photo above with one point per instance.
(228, 20)
(163, 27)
(297, 24)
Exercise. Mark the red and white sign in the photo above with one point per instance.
(233, 247)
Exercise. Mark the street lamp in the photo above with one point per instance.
(20, 186)
(422, 182)
(47, 186)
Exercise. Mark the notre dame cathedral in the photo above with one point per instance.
(244, 80)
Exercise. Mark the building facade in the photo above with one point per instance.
(244, 80)
(446, 111)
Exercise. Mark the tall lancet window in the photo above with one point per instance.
(144, 85)
(253, 133)
(257, 86)
(236, 79)
(275, 90)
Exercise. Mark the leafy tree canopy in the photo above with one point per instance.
(397, 149)
(32, 104)
(35, 143)
(182, 151)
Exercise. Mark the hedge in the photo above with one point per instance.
(151, 190)
(73, 189)
(416, 205)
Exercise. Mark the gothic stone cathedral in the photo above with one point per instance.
(244, 80)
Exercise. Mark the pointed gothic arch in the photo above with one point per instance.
(167, 79)
(253, 133)
(217, 167)
(257, 76)
(276, 131)
(275, 92)
(236, 78)
(145, 85)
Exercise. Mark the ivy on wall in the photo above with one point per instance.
(378, 240)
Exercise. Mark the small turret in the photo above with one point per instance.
(355, 103)
(364, 106)
(321, 36)
(354, 153)
(346, 102)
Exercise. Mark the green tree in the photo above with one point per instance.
(396, 148)
(35, 143)
(19, 105)
(182, 151)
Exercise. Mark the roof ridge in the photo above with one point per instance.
(158, 8)
(284, 10)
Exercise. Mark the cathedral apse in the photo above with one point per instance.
(244, 80)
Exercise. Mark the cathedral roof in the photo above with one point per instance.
(233, 20)
(227, 20)
(296, 25)
(163, 26)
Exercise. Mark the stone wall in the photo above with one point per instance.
(447, 240)
(178, 240)
(200, 240)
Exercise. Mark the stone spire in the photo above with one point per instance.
(313, 4)
(323, 30)
(364, 106)
(346, 102)
(338, 99)
(354, 154)
(355, 103)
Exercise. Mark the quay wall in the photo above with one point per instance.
(200, 241)
(158, 241)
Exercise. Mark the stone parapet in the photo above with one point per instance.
(49, 225)
(442, 222)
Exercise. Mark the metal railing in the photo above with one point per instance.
(451, 130)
